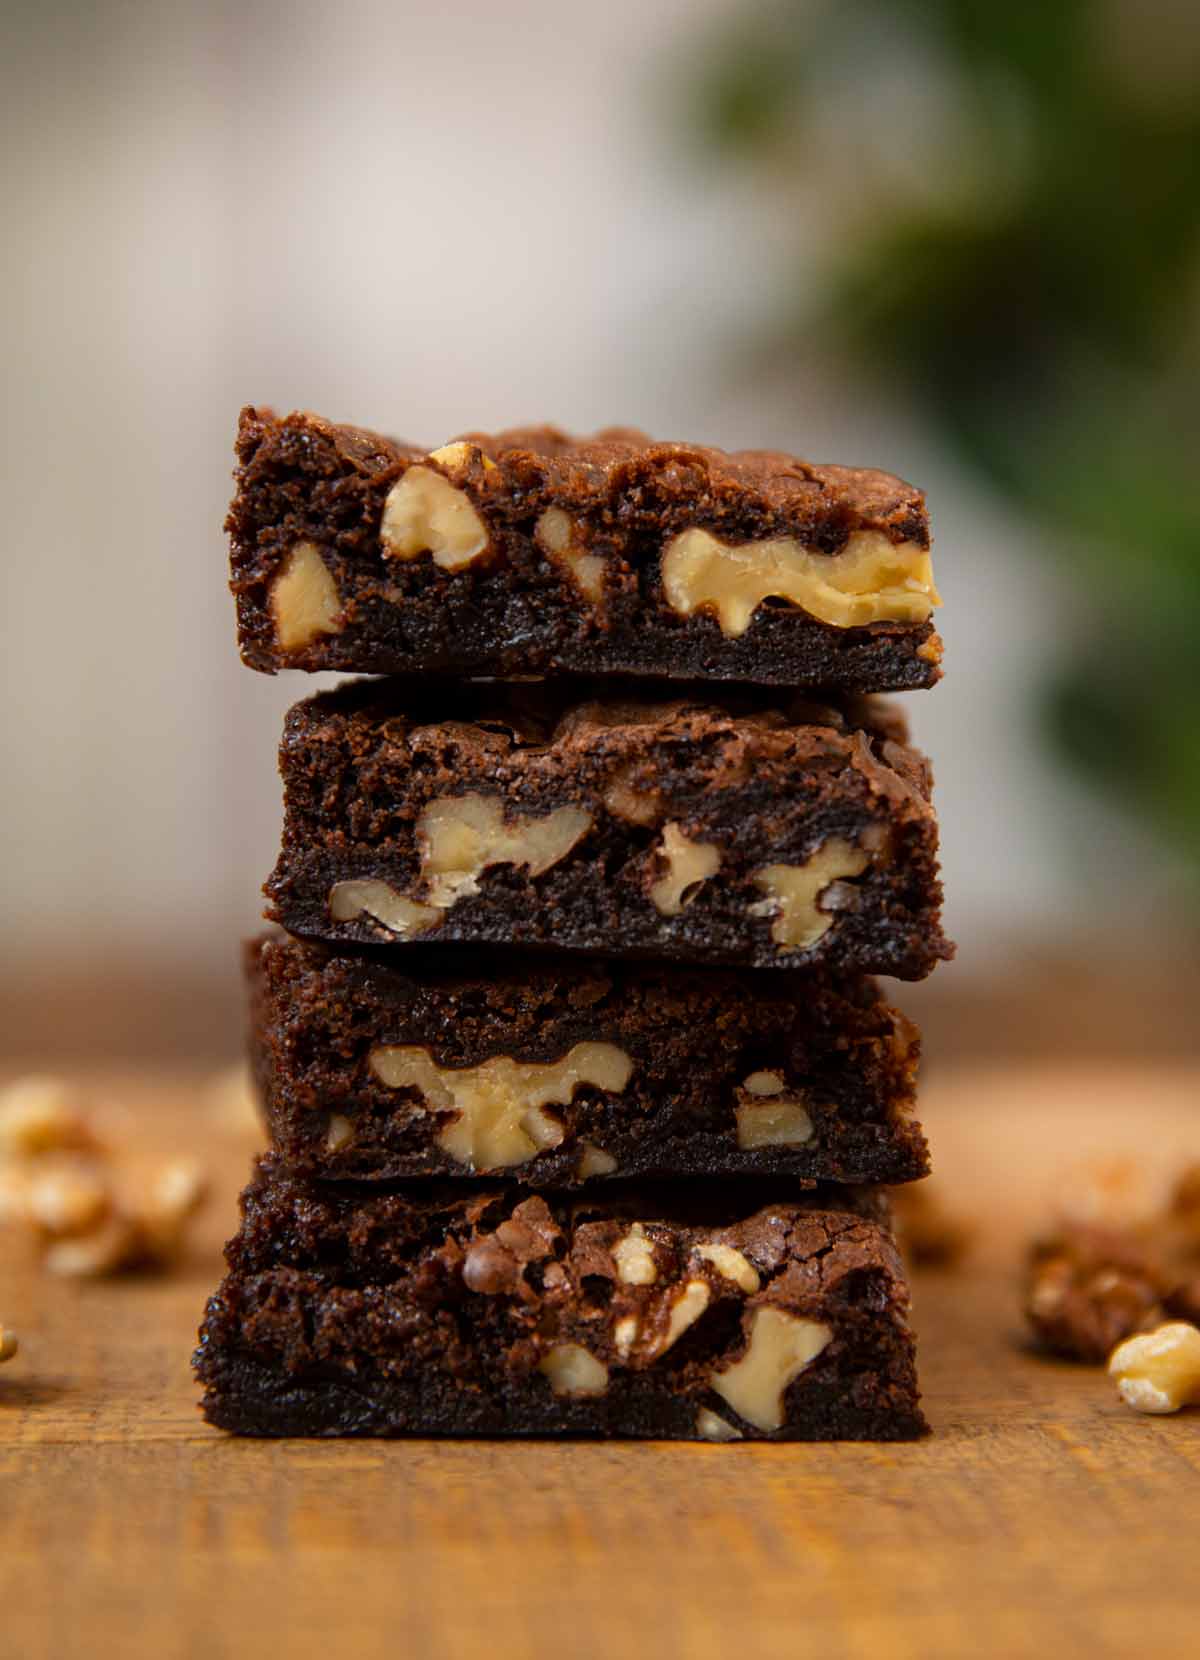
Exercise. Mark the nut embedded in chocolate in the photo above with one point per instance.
(870, 580)
(779, 1348)
(304, 599)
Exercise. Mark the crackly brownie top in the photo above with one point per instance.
(293, 1220)
(618, 462)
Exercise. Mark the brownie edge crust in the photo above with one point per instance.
(661, 1312)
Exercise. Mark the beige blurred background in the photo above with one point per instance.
(429, 219)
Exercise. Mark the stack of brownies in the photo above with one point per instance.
(580, 1095)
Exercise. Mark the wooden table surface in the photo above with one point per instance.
(1040, 1518)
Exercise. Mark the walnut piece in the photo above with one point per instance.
(1088, 1288)
(66, 1196)
(688, 864)
(1121, 1258)
(555, 535)
(88, 1213)
(8, 1343)
(730, 1264)
(781, 1346)
(304, 598)
(1184, 1210)
(426, 513)
(634, 1256)
(625, 1334)
(458, 457)
(764, 1083)
(594, 1161)
(1159, 1371)
(462, 835)
(768, 1116)
(624, 800)
(147, 1233)
(686, 1309)
(929, 1233)
(711, 1427)
(144, 1229)
(40, 1114)
(871, 580)
(793, 891)
(498, 1105)
(573, 1371)
(380, 901)
(112, 1246)
(339, 1132)
(1182, 1302)
(161, 1210)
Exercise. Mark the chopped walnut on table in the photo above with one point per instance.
(1090, 1287)
(41, 1115)
(1183, 1215)
(90, 1211)
(1159, 1371)
(1118, 1263)
(930, 1235)
(1185, 1200)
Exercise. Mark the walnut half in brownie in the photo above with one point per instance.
(712, 1311)
(717, 829)
(529, 552)
(558, 1072)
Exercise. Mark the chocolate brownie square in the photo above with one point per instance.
(717, 1311)
(705, 826)
(552, 1072)
(529, 552)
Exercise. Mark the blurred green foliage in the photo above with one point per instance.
(1008, 199)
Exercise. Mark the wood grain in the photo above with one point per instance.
(1041, 1517)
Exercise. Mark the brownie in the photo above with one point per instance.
(554, 1072)
(529, 552)
(710, 1310)
(727, 826)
